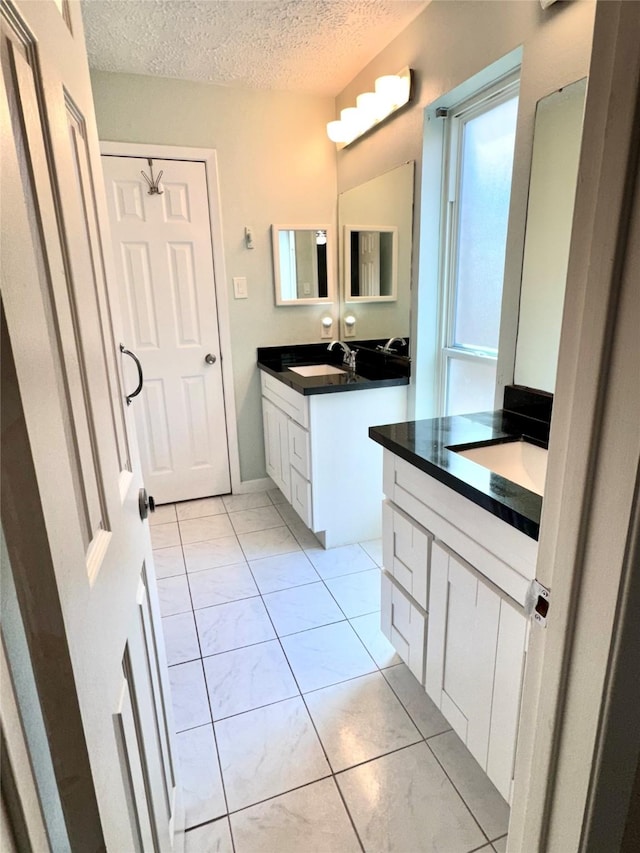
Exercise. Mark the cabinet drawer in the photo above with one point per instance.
(301, 497)
(406, 549)
(404, 625)
(299, 453)
(293, 404)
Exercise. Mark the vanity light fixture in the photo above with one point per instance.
(391, 92)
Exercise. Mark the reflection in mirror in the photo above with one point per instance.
(552, 189)
(371, 263)
(383, 204)
(302, 264)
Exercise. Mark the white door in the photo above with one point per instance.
(70, 460)
(164, 262)
(369, 247)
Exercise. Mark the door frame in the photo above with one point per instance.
(207, 156)
(579, 741)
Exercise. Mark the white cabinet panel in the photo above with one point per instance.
(507, 696)
(299, 452)
(406, 551)
(404, 625)
(301, 497)
(276, 446)
(461, 649)
(475, 662)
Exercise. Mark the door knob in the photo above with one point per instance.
(210, 358)
(146, 504)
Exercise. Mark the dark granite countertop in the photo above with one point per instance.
(373, 369)
(425, 444)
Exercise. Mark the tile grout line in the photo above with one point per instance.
(206, 688)
(322, 747)
(307, 692)
(455, 787)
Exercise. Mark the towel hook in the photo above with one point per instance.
(154, 184)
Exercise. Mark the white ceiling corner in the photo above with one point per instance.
(313, 46)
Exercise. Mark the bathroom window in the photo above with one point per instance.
(479, 141)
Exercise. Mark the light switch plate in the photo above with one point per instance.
(240, 287)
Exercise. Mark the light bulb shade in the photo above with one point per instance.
(369, 105)
(336, 131)
(393, 90)
(352, 119)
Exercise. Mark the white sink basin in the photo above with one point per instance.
(519, 461)
(316, 370)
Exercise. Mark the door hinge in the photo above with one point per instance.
(537, 603)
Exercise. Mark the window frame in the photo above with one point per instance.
(455, 118)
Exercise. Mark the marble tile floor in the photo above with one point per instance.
(298, 726)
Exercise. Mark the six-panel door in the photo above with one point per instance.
(81, 464)
(164, 260)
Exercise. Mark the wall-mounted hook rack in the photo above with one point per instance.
(154, 183)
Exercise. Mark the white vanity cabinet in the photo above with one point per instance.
(319, 455)
(454, 585)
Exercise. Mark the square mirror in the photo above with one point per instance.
(371, 263)
(303, 264)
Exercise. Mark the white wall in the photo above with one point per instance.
(276, 166)
(448, 43)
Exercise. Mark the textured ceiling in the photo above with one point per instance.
(315, 46)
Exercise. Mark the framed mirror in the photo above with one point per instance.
(371, 263)
(303, 264)
(557, 139)
(382, 206)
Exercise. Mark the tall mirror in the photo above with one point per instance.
(375, 227)
(554, 171)
(303, 264)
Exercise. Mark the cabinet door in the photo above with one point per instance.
(513, 633)
(475, 662)
(463, 629)
(276, 446)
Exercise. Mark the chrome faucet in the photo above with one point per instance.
(387, 347)
(348, 355)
